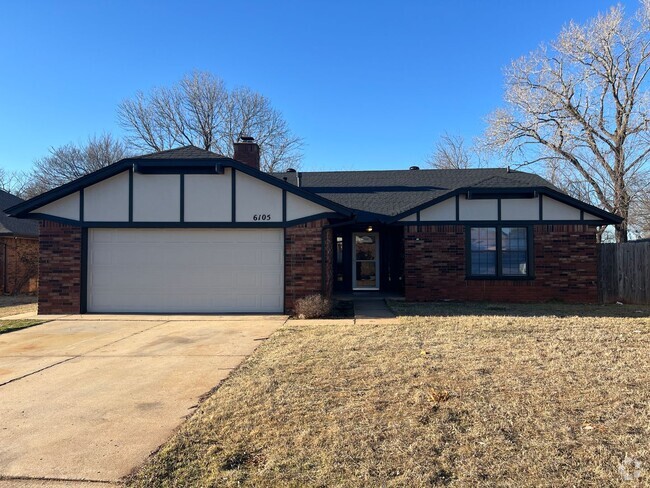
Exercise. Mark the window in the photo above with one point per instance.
(339, 259)
(499, 252)
(484, 251)
(514, 251)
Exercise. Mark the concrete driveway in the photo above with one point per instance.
(90, 397)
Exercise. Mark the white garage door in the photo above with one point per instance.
(185, 270)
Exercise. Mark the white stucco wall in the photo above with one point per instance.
(520, 209)
(477, 209)
(208, 198)
(66, 207)
(156, 198)
(445, 210)
(257, 199)
(108, 200)
(554, 210)
(298, 207)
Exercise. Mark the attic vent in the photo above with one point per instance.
(291, 170)
(413, 168)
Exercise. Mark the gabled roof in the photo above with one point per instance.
(394, 192)
(11, 226)
(369, 195)
(179, 158)
(185, 152)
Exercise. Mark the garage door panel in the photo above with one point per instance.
(270, 281)
(185, 270)
(270, 257)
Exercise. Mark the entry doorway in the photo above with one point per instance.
(365, 261)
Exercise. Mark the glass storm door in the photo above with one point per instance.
(365, 266)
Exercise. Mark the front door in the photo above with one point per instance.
(365, 261)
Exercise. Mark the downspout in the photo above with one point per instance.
(4, 267)
(15, 291)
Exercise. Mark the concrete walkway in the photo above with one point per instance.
(371, 309)
(87, 399)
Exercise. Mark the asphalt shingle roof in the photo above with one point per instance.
(185, 152)
(393, 192)
(389, 192)
(11, 225)
(369, 194)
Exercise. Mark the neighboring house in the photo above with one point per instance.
(18, 250)
(187, 230)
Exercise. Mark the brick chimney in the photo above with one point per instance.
(247, 151)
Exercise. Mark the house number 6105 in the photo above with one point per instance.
(257, 217)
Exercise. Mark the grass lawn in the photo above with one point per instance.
(12, 325)
(464, 395)
(13, 305)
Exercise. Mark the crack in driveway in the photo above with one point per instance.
(70, 358)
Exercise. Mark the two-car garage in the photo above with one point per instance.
(180, 231)
(185, 270)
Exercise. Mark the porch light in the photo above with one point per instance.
(369, 229)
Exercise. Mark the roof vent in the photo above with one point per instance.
(413, 168)
(291, 170)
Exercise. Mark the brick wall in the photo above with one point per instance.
(303, 262)
(565, 266)
(19, 264)
(59, 269)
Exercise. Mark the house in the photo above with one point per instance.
(187, 230)
(18, 250)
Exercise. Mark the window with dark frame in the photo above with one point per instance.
(484, 251)
(499, 252)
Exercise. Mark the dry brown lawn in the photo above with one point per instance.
(465, 396)
(13, 305)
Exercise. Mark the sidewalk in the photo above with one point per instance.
(366, 309)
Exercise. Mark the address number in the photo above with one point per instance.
(257, 217)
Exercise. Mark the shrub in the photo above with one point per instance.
(313, 307)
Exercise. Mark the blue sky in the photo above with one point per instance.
(367, 84)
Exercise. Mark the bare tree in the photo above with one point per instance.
(450, 152)
(199, 110)
(640, 217)
(72, 161)
(15, 182)
(581, 104)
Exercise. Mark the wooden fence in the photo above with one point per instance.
(624, 272)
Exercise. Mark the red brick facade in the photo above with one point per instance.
(19, 264)
(565, 266)
(59, 269)
(564, 261)
(303, 262)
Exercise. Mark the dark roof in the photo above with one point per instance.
(394, 192)
(185, 152)
(368, 195)
(11, 225)
(174, 158)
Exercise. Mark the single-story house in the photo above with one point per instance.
(187, 230)
(18, 250)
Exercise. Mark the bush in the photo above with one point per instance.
(313, 307)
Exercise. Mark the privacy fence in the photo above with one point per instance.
(624, 272)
